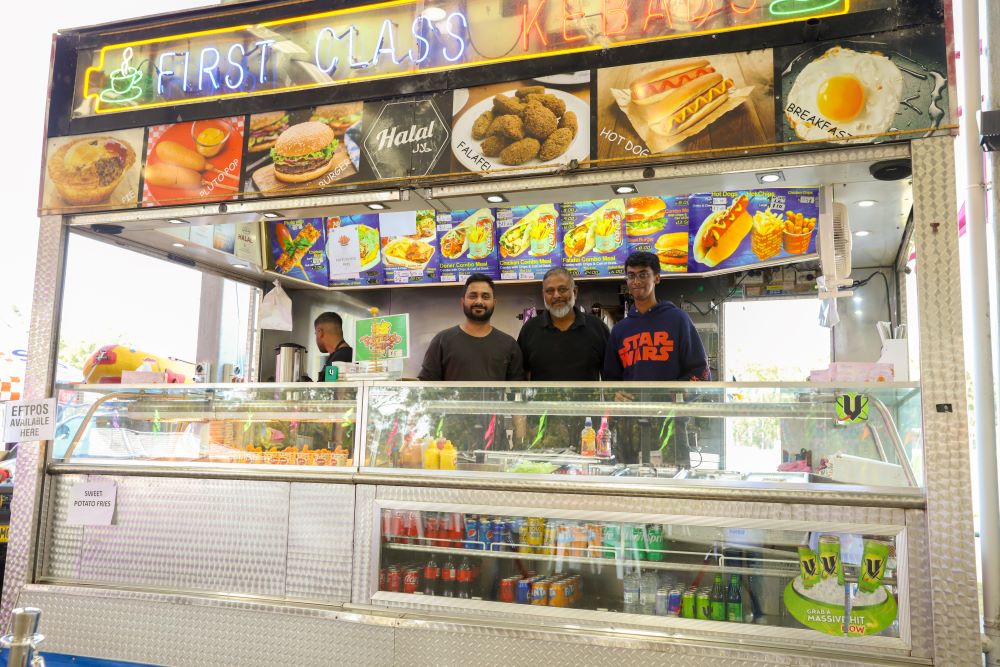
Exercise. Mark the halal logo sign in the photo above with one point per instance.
(852, 408)
(406, 139)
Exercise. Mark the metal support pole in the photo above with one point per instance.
(989, 500)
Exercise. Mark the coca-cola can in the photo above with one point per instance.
(393, 579)
(432, 528)
(411, 580)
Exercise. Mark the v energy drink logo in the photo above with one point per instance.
(852, 408)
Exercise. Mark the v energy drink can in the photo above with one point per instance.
(873, 560)
(808, 566)
(688, 604)
(829, 558)
(703, 604)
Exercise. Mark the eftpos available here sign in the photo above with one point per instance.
(30, 420)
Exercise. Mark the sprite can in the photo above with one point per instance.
(873, 561)
(829, 558)
(635, 543)
(687, 604)
(611, 539)
(654, 542)
(809, 566)
(703, 604)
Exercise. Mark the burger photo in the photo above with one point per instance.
(672, 249)
(644, 216)
(338, 117)
(264, 130)
(303, 152)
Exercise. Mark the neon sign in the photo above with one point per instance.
(398, 38)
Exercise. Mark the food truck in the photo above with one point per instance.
(374, 156)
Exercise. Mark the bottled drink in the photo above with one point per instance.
(648, 583)
(604, 439)
(410, 454)
(432, 576)
(717, 599)
(448, 576)
(588, 439)
(464, 587)
(734, 600)
(630, 598)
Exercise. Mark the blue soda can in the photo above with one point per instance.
(673, 602)
(486, 534)
(523, 591)
(501, 535)
(471, 538)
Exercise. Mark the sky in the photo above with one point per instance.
(124, 283)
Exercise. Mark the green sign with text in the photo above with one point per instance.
(380, 338)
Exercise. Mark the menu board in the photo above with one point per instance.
(354, 250)
(739, 229)
(297, 248)
(659, 225)
(467, 240)
(529, 241)
(409, 247)
(199, 161)
(593, 238)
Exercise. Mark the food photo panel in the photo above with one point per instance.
(467, 240)
(739, 229)
(659, 225)
(193, 162)
(856, 91)
(529, 241)
(92, 172)
(707, 104)
(409, 246)
(593, 237)
(297, 248)
(522, 125)
(354, 250)
(303, 150)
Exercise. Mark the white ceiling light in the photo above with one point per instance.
(177, 245)
(177, 221)
(770, 177)
(496, 199)
(377, 207)
(625, 189)
(861, 233)
(858, 312)
(271, 215)
(866, 203)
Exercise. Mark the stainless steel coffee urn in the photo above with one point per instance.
(290, 362)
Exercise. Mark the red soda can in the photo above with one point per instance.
(393, 579)
(457, 531)
(413, 528)
(431, 529)
(508, 588)
(383, 579)
(397, 527)
(411, 580)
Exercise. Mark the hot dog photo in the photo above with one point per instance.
(193, 162)
(92, 172)
(692, 105)
(746, 228)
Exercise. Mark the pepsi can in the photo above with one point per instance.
(522, 593)
(486, 534)
(501, 535)
(471, 537)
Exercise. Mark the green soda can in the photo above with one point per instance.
(688, 604)
(873, 561)
(654, 542)
(703, 604)
(635, 543)
(808, 566)
(829, 558)
(611, 539)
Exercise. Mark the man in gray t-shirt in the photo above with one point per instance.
(474, 350)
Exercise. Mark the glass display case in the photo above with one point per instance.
(698, 573)
(865, 435)
(294, 425)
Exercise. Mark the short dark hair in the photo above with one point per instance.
(479, 278)
(559, 271)
(641, 259)
(329, 317)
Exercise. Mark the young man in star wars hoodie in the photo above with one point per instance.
(657, 341)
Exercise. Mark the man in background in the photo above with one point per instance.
(473, 350)
(329, 329)
(563, 342)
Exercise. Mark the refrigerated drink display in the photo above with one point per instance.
(570, 561)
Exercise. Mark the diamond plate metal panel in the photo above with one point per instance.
(364, 559)
(62, 547)
(919, 572)
(942, 373)
(212, 535)
(49, 261)
(172, 630)
(320, 542)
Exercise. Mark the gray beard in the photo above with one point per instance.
(560, 312)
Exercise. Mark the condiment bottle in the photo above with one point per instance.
(448, 459)
(432, 455)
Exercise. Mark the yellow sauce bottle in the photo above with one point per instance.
(432, 456)
(448, 457)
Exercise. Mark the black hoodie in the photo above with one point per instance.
(660, 344)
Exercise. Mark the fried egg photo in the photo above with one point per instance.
(844, 94)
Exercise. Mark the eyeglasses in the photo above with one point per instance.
(642, 276)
